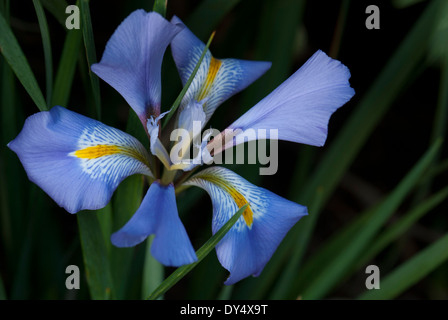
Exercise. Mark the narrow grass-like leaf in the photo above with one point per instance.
(315, 265)
(276, 35)
(410, 272)
(160, 7)
(13, 54)
(45, 33)
(126, 201)
(66, 68)
(339, 30)
(57, 9)
(333, 271)
(226, 293)
(358, 128)
(405, 3)
(302, 170)
(180, 272)
(105, 220)
(188, 83)
(153, 271)
(89, 43)
(21, 288)
(94, 244)
(399, 227)
(207, 15)
(95, 255)
(439, 127)
(338, 243)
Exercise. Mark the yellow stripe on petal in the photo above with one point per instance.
(101, 150)
(97, 151)
(213, 69)
(239, 199)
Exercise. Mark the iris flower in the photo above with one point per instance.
(79, 162)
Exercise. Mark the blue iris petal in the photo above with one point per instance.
(245, 252)
(158, 215)
(217, 79)
(246, 248)
(132, 60)
(301, 107)
(76, 160)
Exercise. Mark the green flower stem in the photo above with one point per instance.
(153, 271)
(180, 272)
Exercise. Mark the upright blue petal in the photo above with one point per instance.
(301, 107)
(158, 215)
(76, 160)
(132, 60)
(251, 242)
(217, 79)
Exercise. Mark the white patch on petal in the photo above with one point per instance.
(219, 183)
(224, 84)
(127, 157)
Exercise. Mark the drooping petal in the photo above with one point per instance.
(158, 215)
(217, 79)
(249, 245)
(300, 108)
(132, 60)
(76, 160)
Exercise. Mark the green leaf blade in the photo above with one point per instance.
(334, 271)
(13, 54)
(410, 272)
(66, 69)
(89, 43)
(96, 257)
(47, 49)
(160, 7)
